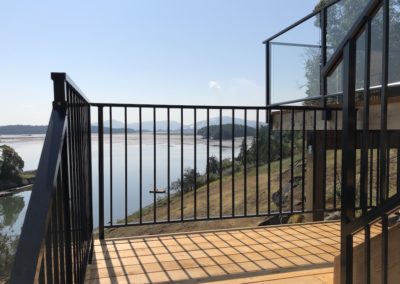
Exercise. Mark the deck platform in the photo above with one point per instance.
(301, 253)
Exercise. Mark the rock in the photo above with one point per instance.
(287, 194)
(333, 216)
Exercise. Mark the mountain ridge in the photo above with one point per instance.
(118, 126)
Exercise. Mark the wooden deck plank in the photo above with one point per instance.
(323, 275)
(238, 254)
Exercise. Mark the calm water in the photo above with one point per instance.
(30, 147)
(12, 214)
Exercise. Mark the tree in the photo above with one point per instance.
(226, 131)
(275, 147)
(213, 165)
(250, 153)
(11, 164)
(188, 181)
(341, 17)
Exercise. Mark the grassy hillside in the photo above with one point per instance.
(214, 192)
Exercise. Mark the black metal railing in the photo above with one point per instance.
(56, 238)
(195, 163)
(387, 170)
(188, 163)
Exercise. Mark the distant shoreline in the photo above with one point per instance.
(25, 183)
(15, 190)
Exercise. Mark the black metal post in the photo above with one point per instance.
(384, 94)
(268, 72)
(385, 250)
(348, 160)
(323, 80)
(101, 173)
(365, 135)
(319, 175)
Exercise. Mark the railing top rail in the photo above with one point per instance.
(34, 229)
(64, 76)
(272, 107)
(375, 214)
(314, 98)
(299, 22)
(356, 29)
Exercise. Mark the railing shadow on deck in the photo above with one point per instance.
(217, 255)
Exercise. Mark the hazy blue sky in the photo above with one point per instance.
(180, 52)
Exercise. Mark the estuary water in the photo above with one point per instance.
(30, 147)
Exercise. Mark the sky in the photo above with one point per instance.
(206, 52)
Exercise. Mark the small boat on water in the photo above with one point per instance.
(157, 191)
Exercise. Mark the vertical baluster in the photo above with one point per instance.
(48, 254)
(66, 205)
(378, 170)
(195, 162)
(325, 113)
(385, 251)
(257, 160)
(233, 162)
(314, 153)
(384, 94)
(291, 162)
(101, 173)
(280, 159)
(371, 169)
(397, 138)
(55, 232)
(90, 174)
(72, 188)
(140, 168)
(75, 175)
(388, 135)
(80, 184)
(111, 168)
(154, 166)
(335, 163)
(220, 162)
(245, 163)
(365, 131)
(208, 163)
(269, 160)
(168, 164)
(126, 165)
(367, 254)
(78, 179)
(182, 184)
(303, 154)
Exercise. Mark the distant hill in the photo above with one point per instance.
(41, 129)
(226, 131)
(106, 130)
(23, 129)
(176, 125)
(225, 120)
(118, 126)
(146, 125)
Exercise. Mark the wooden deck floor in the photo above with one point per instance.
(301, 253)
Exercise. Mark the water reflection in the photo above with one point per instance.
(12, 214)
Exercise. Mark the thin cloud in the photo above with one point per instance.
(214, 85)
(244, 82)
